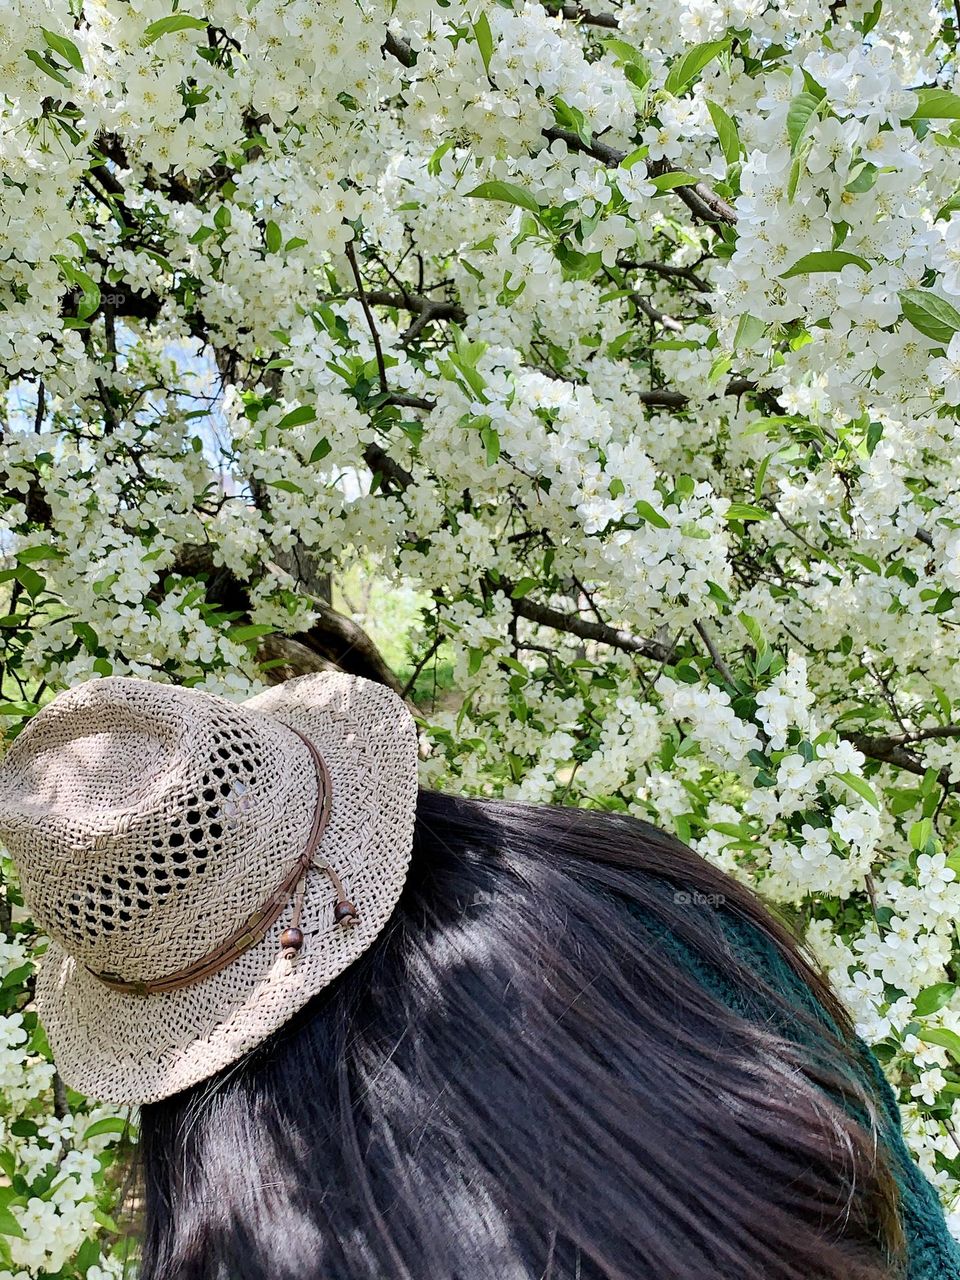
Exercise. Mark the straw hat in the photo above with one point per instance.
(202, 867)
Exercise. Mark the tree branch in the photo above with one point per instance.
(660, 399)
(704, 633)
(652, 313)
(666, 269)
(601, 151)
(434, 646)
(381, 366)
(333, 636)
(576, 13)
(399, 49)
(887, 751)
(924, 735)
(574, 625)
(393, 477)
(339, 639)
(410, 402)
(416, 302)
(700, 199)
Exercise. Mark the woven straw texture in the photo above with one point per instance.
(147, 821)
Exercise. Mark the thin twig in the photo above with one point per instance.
(408, 687)
(704, 634)
(666, 269)
(576, 13)
(381, 365)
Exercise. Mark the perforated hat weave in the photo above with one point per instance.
(148, 822)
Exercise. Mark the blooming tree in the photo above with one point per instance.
(629, 337)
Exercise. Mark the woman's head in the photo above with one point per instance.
(548, 1065)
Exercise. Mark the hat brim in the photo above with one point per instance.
(125, 1048)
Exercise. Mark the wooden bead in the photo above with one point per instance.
(291, 940)
(345, 913)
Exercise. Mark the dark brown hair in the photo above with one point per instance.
(551, 1065)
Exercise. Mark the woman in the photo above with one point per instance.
(387, 1033)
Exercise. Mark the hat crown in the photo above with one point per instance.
(148, 820)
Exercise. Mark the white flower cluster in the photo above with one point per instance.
(54, 1163)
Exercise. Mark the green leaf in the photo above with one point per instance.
(932, 315)
(726, 132)
(89, 302)
(719, 369)
(948, 1040)
(824, 260)
(508, 192)
(32, 581)
(88, 1255)
(174, 22)
(692, 63)
(629, 57)
(667, 181)
(635, 156)
(944, 601)
(754, 631)
(40, 61)
(746, 511)
(749, 329)
(491, 440)
(813, 86)
(933, 998)
(797, 167)
(920, 834)
(799, 113)
(28, 555)
(89, 289)
(9, 1226)
(484, 38)
(651, 515)
(936, 104)
(572, 118)
(861, 787)
(872, 18)
(250, 631)
(864, 179)
(433, 164)
(109, 1124)
(298, 417)
(463, 364)
(106, 1221)
(66, 48)
(523, 588)
(86, 634)
(320, 450)
(273, 237)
